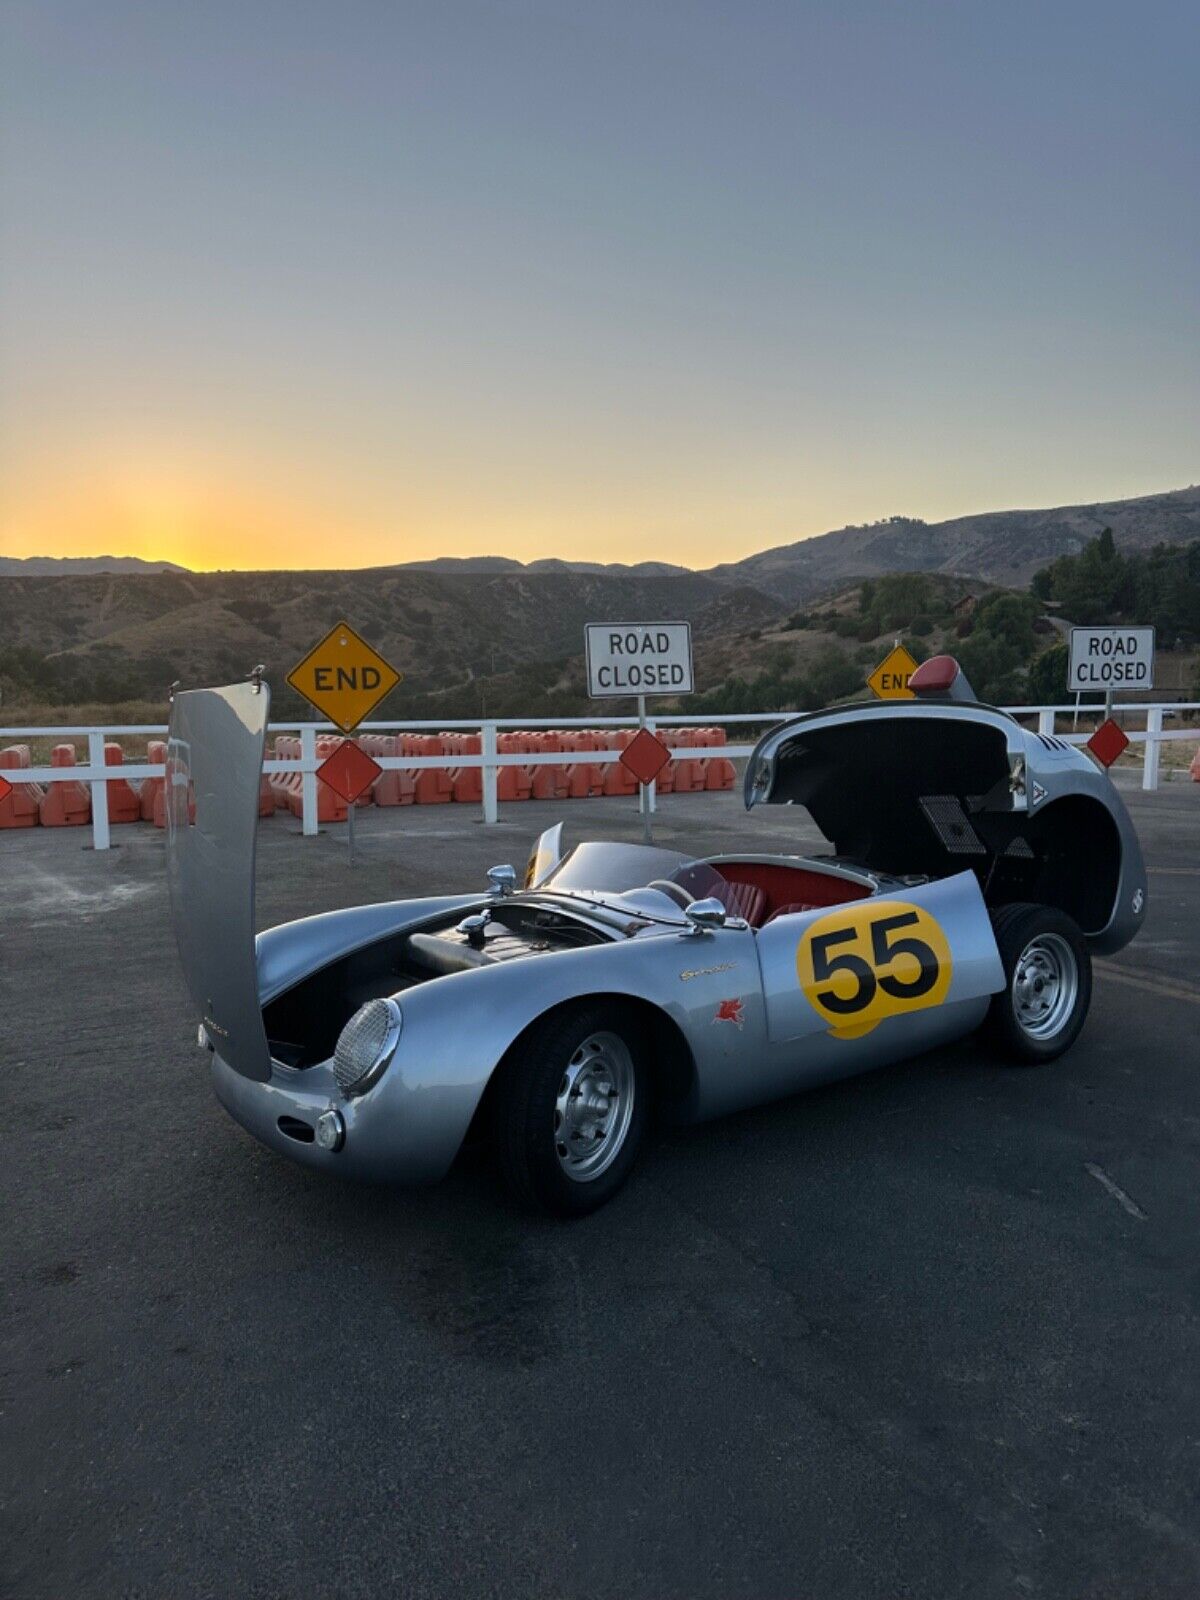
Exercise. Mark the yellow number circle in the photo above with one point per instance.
(876, 959)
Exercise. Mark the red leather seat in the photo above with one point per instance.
(743, 900)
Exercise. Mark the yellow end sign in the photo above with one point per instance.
(877, 959)
(890, 678)
(344, 677)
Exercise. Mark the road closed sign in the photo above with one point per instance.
(631, 658)
(1111, 658)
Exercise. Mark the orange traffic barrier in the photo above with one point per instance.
(287, 748)
(394, 787)
(287, 788)
(512, 783)
(618, 780)
(432, 786)
(124, 804)
(1194, 769)
(68, 804)
(585, 777)
(20, 808)
(152, 792)
(466, 783)
(719, 771)
(330, 805)
(549, 782)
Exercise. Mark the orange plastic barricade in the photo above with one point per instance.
(393, 787)
(1194, 769)
(124, 804)
(152, 792)
(512, 783)
(287, 788)
(20, 808)
(330, 805)
(617, 777)
(64, 805)
(586, 777)
(549, 782)
(720, 772)
(287, 748)
(466, 783)
(688, 776)
(431, 785)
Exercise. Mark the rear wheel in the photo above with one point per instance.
(570, 1109)
(1048, 983)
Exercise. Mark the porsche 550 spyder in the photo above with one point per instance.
(974, 866)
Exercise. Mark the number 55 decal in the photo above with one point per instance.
(877, 959)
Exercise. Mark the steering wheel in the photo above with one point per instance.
(673, 891)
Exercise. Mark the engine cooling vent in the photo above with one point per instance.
(1020, 848)
(949, 821)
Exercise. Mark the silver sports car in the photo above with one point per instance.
(973, 868)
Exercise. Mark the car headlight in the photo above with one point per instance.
(366, 1044)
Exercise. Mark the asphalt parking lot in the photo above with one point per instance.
(929, 1333)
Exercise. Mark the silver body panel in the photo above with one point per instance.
(214, 761)
(1043, 772)
(735, 997)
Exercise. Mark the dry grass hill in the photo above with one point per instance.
(473, 632)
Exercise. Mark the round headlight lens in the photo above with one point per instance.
(366, 1044)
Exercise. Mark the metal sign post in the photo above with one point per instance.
(644, 789)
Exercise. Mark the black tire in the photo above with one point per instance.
(1047, 984)
(542, 1161)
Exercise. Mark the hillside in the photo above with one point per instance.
(1005, 547)
(122, 636)
(469, 630)
(66, 566)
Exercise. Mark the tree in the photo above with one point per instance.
(1048, 677)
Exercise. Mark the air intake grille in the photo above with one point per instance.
(949, 822)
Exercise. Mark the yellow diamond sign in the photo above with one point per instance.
(344, 677)
(890, 678)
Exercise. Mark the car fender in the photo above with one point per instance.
(457, 1029)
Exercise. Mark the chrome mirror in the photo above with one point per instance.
(704, 916)
(502, 881)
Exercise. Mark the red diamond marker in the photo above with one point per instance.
(6, 788)
(645, 756)
(1107, 743)
(348, 771)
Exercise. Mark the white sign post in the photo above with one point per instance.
(1107, 659)
(639, 658)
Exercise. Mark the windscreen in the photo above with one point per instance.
(618, 868)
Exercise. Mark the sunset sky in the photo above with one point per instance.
(299, 284)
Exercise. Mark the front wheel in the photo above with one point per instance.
(1048, 983)
(570, 1109)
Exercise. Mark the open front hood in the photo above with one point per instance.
(214, 765)
(890, 784)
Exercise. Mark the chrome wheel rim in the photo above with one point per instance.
(594, 1106)
(1045, 986)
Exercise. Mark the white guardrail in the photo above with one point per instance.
(97, 774)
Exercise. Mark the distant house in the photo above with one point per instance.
(965, 606)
